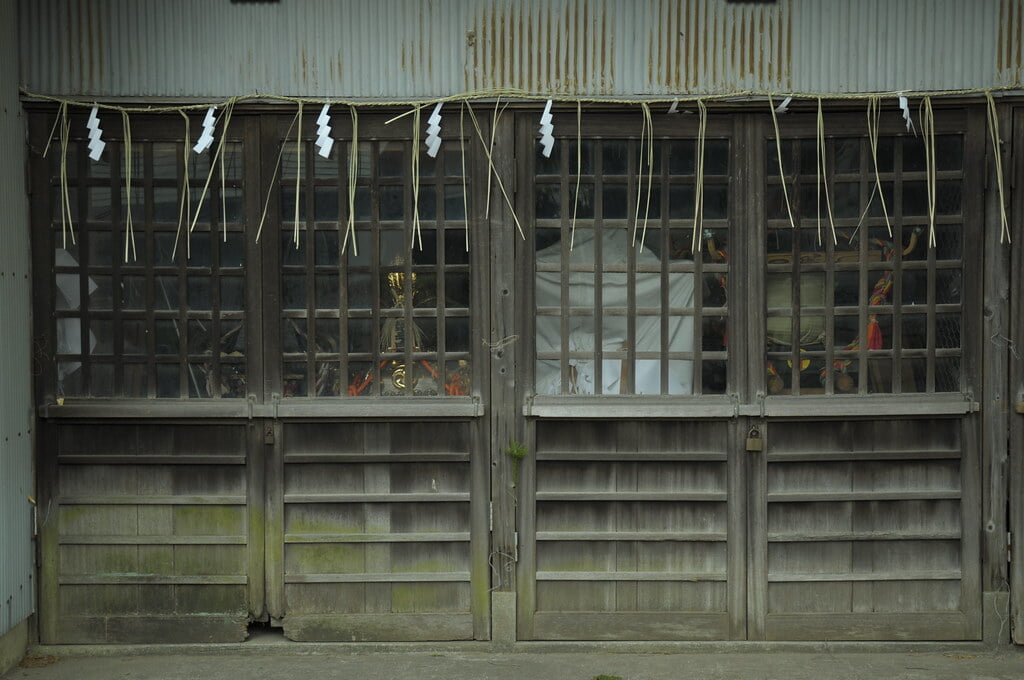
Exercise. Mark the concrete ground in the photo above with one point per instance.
(268, 657)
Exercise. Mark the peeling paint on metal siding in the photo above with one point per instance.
(16, 580)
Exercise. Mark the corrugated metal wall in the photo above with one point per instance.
(881, 45)
(400, 49)
(16, 587)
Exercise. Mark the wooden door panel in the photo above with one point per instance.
(378, 532)
(865, 531)
(149, 534)
(630, 524)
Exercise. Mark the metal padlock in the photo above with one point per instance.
(754, 441)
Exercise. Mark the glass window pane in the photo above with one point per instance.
(327, 291)
(232, 293)
(391, 159)
(613, 202)
(392, 206)
(454, 206)
(614, 157)
(133, 292)
(293, 291)
(548, 204)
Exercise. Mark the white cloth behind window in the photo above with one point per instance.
(615, 244)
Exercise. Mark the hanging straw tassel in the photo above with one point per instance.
(579, 172)
(778, 151)
(698, 193)
(639, 178)
(129, 240)
(185, 205)
(874, 115)
(273, 181)
(298, 178)
(823, 178)
(494, 131)
(66, 225)
(218, 154)
(997, 154)
(462, 146)
(417, 235)
(494, 171)
(649, 124)
(646, 155)
(353, 176)
(928, 133)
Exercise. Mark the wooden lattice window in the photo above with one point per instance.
(163, 316)
(390, 313)
(618, 310)
(870, 312)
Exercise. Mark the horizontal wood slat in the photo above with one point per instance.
(376, 497)
(618, 456)
(841, 496)
(929, 575)
(849, 626)
(152, 540)
(630, 536)
(104, 459)
(631, 626)
(376, 458)
(698, 496)
(628, 576)
(153, 500)
(153, 579)
(811, 537)
(419, 537)
(830, 456)
(410, 577)
(141, 629)
(413, 627)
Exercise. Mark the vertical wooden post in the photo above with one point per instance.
(504, 420)
(993, 352)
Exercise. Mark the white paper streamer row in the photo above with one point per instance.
(206, 136)
(433, 140)
(324, 141)
(96, 144)
(905, 107)
(547, 140)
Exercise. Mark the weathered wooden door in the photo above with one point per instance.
(717, 453)
(632, 502)
(1016, 391)
(251, 413)
(865, 503)
(150, 475)
(376, 506)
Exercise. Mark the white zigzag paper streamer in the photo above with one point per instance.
(206, 137)
(905, 107)
(546, 128)
(433, 139)
(96, 144)
(674, 108)
(324, 141)
(784, 106)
